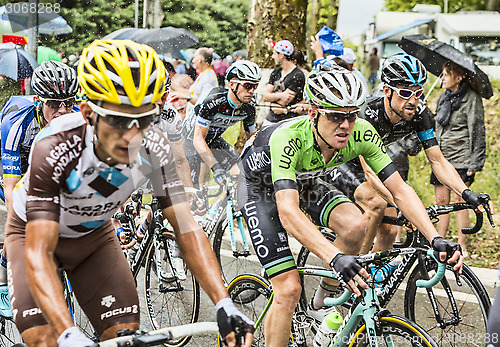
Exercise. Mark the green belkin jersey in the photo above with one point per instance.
(286, 153)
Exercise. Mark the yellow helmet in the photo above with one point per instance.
(121, 72)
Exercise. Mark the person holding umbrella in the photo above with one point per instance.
(460, 134)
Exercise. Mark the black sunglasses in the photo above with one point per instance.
(57, 103)
(338, 116)
(125, 123)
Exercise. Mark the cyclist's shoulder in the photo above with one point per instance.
(216, 98)
(364, 133)
(298, 128)
(373, 108)
(18, 107)
(65, 126)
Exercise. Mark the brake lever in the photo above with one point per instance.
(488, 213)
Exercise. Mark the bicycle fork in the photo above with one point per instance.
(239, 218)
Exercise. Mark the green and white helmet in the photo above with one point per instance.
(334, 86)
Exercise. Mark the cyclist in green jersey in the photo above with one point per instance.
(281, 172)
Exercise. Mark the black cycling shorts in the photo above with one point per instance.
(347, 177)
(97, 270)
(270, 240)
(225, 154)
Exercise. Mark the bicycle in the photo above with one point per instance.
(160, 336)
(379, 323)
(231, 240)
(450, 311)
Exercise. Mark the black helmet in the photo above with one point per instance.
(403, 69)
(54, 80)
(244, 70)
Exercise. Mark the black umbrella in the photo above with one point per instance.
(434, 54)
(16, 63)
(167, 41)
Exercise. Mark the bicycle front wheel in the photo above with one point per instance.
(171, 300)
(394, 331)
(237, 261)
(463, 309)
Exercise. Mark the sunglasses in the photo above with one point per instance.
(408, 93)
(339, 116)
(57, 103)
(247, 85)
(125, 121)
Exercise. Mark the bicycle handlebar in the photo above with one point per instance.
(439, 273)
(420, 283)
(156, 337)
(434, 212)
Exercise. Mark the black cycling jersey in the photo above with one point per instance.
(374, 112)
(217, 113)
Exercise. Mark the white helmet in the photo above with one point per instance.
(334, 86)
(244, 70)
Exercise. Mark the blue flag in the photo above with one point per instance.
(330, 41)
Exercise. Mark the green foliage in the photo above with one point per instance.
(483, 247)
(328, 13)
(219, 24)
(453, 6)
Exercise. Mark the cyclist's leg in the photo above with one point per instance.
(30, 322)
(329, 207)
(101, 280)
(270, 242)
(442, 198)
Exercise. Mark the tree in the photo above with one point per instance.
(453, 6)
(274, 20)
(219, 24)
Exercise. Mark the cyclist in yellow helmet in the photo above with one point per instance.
(80, 174)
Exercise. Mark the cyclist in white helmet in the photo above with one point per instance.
(203, 129)
(281, 172)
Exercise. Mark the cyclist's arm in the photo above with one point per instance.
(181, 163)
(200, 134)
(411, 206)
(41, 272)
(196, 250)
(444, 171)
(298, 224)
(376, 183)
(8, 187)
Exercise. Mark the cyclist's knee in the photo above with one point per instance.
(353, 232)
(287, 290)
(40, 336)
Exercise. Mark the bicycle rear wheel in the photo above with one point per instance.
(169, 300)
(394, 331)
(9, 335)
(466, 326)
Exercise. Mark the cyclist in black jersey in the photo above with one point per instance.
(281, 171)
(82, 168)
(203, 129)
(397, 114)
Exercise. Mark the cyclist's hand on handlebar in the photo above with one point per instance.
(235, 328)
(449, 252)
(348, 270)
(73, 337)
(219, 174)
(478, 200)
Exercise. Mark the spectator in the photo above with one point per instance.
(286, 84)
(373, 64)
(461, 135)
(8, 88)
(350, 58)
(300, 60)
(179, 82)
(206, 80)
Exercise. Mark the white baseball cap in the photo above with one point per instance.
(284, 46)
(349, 56)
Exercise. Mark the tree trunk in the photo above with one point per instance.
(274, 20)
(493, 5)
